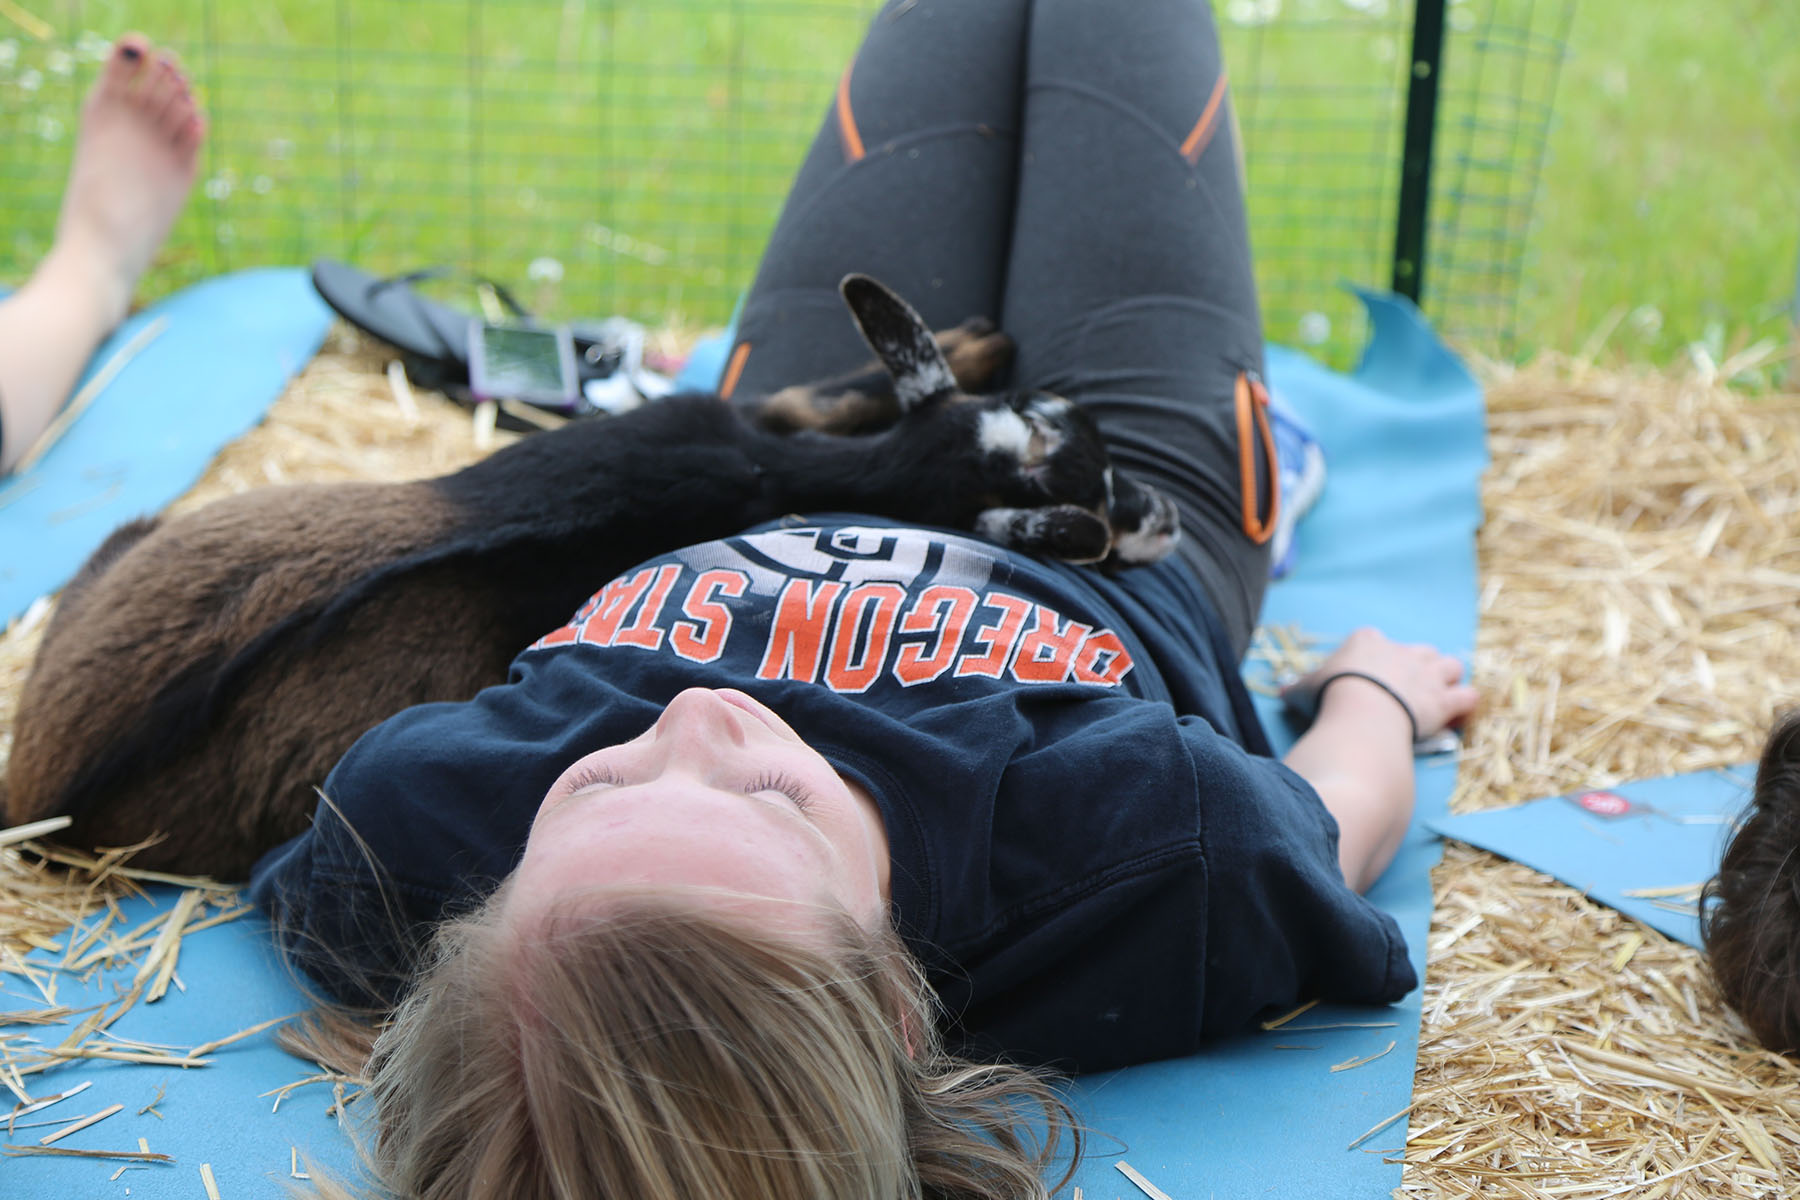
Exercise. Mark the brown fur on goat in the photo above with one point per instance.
(171, 602)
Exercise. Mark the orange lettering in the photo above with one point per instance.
(557, 637)
(942, 609)
(1103, 660)
(881, 601)
(703, 638)
(797, 637)
(643, 631)
(1044, 654)
(999, 637)
(616, 600)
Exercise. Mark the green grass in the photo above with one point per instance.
(644, 147)
(1672, 197)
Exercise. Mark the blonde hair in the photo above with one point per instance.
(657, 1050)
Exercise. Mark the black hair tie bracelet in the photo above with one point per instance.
(1304, 699)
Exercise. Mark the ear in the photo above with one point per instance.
(901, 341)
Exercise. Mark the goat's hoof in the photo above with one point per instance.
(1148, 531)
(1065, 531)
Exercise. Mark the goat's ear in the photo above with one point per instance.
(900, 339)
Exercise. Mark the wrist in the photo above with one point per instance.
(1369, 700)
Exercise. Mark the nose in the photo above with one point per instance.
(700, 719)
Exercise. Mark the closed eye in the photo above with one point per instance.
(786, 785)
(588, 777)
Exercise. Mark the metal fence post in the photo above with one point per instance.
(1421, 128)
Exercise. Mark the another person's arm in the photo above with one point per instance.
(1358, 753)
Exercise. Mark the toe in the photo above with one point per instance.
(133, 52)
(130, 55)
(171, 62)
(189, 136)
(160, 86)
(179, 112)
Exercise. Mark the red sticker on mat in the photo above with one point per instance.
(1604, 804)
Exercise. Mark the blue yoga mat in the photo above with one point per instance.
(215, 1115)
(1391, 543)
(1657, 838)
(229, 346)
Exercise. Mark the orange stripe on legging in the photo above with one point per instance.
(733, 369)
(1252, 422)
(1206, 126)
(853, 146)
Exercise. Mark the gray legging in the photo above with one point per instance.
(1065, 167)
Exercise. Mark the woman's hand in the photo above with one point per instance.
(1358, 752)
(1426, 680)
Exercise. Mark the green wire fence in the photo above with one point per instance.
(630, 156)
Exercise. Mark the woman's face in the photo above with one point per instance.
(720, 795)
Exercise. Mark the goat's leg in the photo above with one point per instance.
(863, 400)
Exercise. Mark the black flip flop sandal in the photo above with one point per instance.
(433, 337)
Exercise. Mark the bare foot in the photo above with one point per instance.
(134, 166)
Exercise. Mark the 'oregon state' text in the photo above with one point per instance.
(846, 635)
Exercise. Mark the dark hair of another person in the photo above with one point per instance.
(1751, 910)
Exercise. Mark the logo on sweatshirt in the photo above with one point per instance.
(844, 608)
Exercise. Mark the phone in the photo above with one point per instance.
(517, 362)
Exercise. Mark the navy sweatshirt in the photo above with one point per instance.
(1094, 853)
